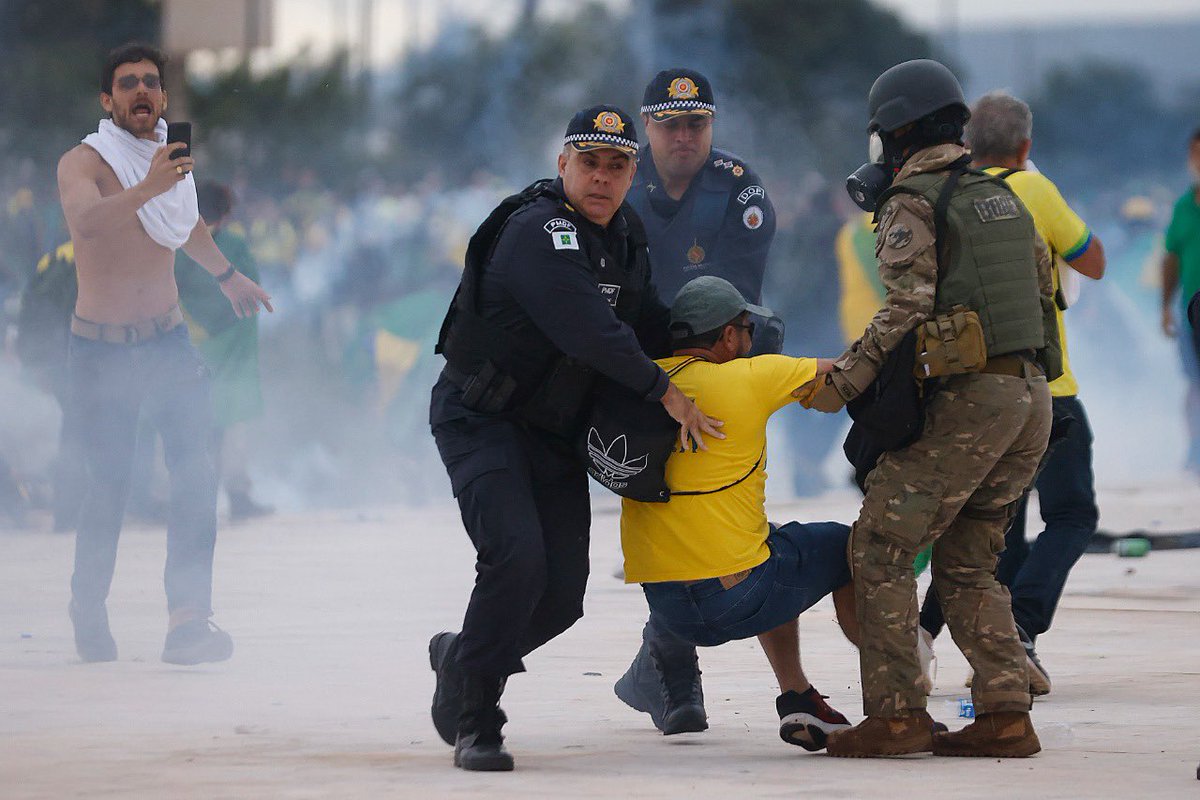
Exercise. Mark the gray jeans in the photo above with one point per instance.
(110, 385)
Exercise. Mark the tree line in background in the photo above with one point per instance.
(791, 79)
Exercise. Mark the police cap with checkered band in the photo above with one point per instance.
(678, 92)
(601, 127)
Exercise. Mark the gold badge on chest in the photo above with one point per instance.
(695, 253)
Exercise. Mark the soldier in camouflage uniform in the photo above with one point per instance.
(984, 431)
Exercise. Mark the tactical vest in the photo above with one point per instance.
(542, 384)
(986, 261)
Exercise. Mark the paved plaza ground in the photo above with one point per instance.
(328, 692)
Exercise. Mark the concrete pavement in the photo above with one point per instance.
(327, 693)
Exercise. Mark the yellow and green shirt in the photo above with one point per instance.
(1065, 234)
(862, 292)
(706, 536)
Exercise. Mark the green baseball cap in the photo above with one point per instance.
(706, 303)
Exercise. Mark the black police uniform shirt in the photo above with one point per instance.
(554, 270)
(723, 225)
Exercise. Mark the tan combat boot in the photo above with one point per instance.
(1002, 734)
(881, 736)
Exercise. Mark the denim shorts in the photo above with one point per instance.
(806, 563)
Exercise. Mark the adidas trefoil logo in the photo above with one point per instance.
(612, 461)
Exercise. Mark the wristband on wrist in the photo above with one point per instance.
(227, 274)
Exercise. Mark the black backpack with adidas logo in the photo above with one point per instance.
(629, 440)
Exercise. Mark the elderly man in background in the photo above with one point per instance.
(1000, 137)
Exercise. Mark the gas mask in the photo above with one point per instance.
(868, 183)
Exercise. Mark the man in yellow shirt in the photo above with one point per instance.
(999, 135)
(712, 568)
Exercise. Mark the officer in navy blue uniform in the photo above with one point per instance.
(706, 213)
(555, 296)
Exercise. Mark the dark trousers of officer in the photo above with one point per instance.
(524, 502)
(1035, 575)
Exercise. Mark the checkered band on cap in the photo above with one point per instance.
(673, 105)
(606, 138)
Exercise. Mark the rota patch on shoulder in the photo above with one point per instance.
(752, 218)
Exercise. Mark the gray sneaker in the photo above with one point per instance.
(1039, 679)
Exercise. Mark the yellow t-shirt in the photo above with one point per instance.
(705, 536)
(1067, 236)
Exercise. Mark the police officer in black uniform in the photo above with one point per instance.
(555, 296)
(706, 213)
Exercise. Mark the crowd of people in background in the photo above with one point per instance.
(362, 278)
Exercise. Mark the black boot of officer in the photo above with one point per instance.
(679, 673)
(479, 746)
(664, 682)
(447, 693)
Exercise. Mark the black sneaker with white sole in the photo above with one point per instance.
(805, 719)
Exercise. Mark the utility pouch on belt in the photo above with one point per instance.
(950, 344)
(488, 391)
(562, 399)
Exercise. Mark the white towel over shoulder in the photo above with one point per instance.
(168, 218)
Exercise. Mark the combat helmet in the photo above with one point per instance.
(909, 91)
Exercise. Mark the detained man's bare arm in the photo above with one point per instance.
(90, 214)
(244, 294)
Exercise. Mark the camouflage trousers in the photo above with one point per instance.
(954, 487)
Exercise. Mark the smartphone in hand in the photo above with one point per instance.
(180, 132)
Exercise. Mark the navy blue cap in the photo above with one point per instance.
(678, 92)
(602, 127)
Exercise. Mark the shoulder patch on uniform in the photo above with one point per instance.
(997, 207)
(899, 236)
(902, 236)
(565, 240)
(752, 217)
(751, 192)
(559, 224)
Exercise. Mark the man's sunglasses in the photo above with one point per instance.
(127, 83)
